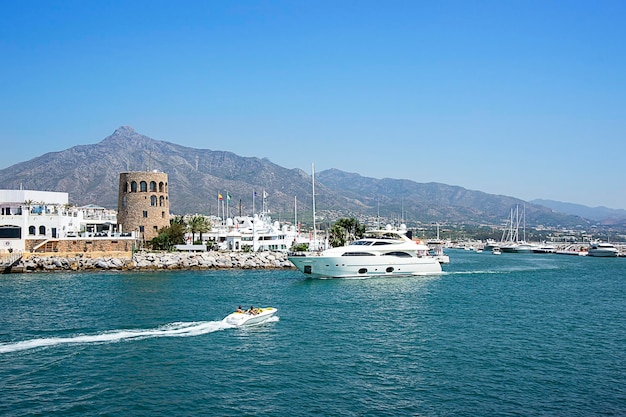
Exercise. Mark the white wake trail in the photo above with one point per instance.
(178, 329)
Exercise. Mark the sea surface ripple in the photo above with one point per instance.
(515, 334)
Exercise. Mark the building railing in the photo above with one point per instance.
(9, 258)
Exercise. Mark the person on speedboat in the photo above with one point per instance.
(240, 310)
(253, 311)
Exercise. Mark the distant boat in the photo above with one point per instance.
(544, 249)
(511, 241)
(491, 245)
(496, 251)
(520, 247)
(600, 249)
(436, 249)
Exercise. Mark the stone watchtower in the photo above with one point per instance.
(143, 203)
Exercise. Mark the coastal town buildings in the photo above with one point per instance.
(45, 221)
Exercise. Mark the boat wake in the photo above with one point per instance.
(177, 329)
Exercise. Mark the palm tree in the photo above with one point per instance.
(204, 226)
(198, 224)
(28, 204)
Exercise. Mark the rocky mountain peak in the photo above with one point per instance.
(124, 130)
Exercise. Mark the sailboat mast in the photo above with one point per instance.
(313, 189)
(295, 213)
(253, 223)
(524, 220)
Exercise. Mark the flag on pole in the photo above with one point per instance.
(227, 196)
(264, 194)
(219, 197)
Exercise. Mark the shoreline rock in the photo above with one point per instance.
(152, 261)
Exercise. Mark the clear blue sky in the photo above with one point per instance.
(520, 98)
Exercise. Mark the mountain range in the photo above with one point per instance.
(90, 174)
(601, 214)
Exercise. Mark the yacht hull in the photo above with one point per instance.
(602, 253)
(364, 266)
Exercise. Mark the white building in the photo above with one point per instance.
(45, 215)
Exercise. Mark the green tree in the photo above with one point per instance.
(168, 236)
(300, 247)
(345, 230)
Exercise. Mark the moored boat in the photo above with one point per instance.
(519, 247)
(386, 252)
(544, 249)
(601, 249)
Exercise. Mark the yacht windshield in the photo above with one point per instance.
(389, 236)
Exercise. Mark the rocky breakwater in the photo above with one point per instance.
(155, 261)
(211, 260)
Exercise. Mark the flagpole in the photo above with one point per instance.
(218, 207)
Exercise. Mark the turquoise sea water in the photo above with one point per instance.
(508, 335)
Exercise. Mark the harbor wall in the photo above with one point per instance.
(83, 245)
(150, 261)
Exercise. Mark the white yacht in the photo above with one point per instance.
(258, 233)
(518, 247)
(602, 250)
(385, 252)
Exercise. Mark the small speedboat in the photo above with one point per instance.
(250, 317)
